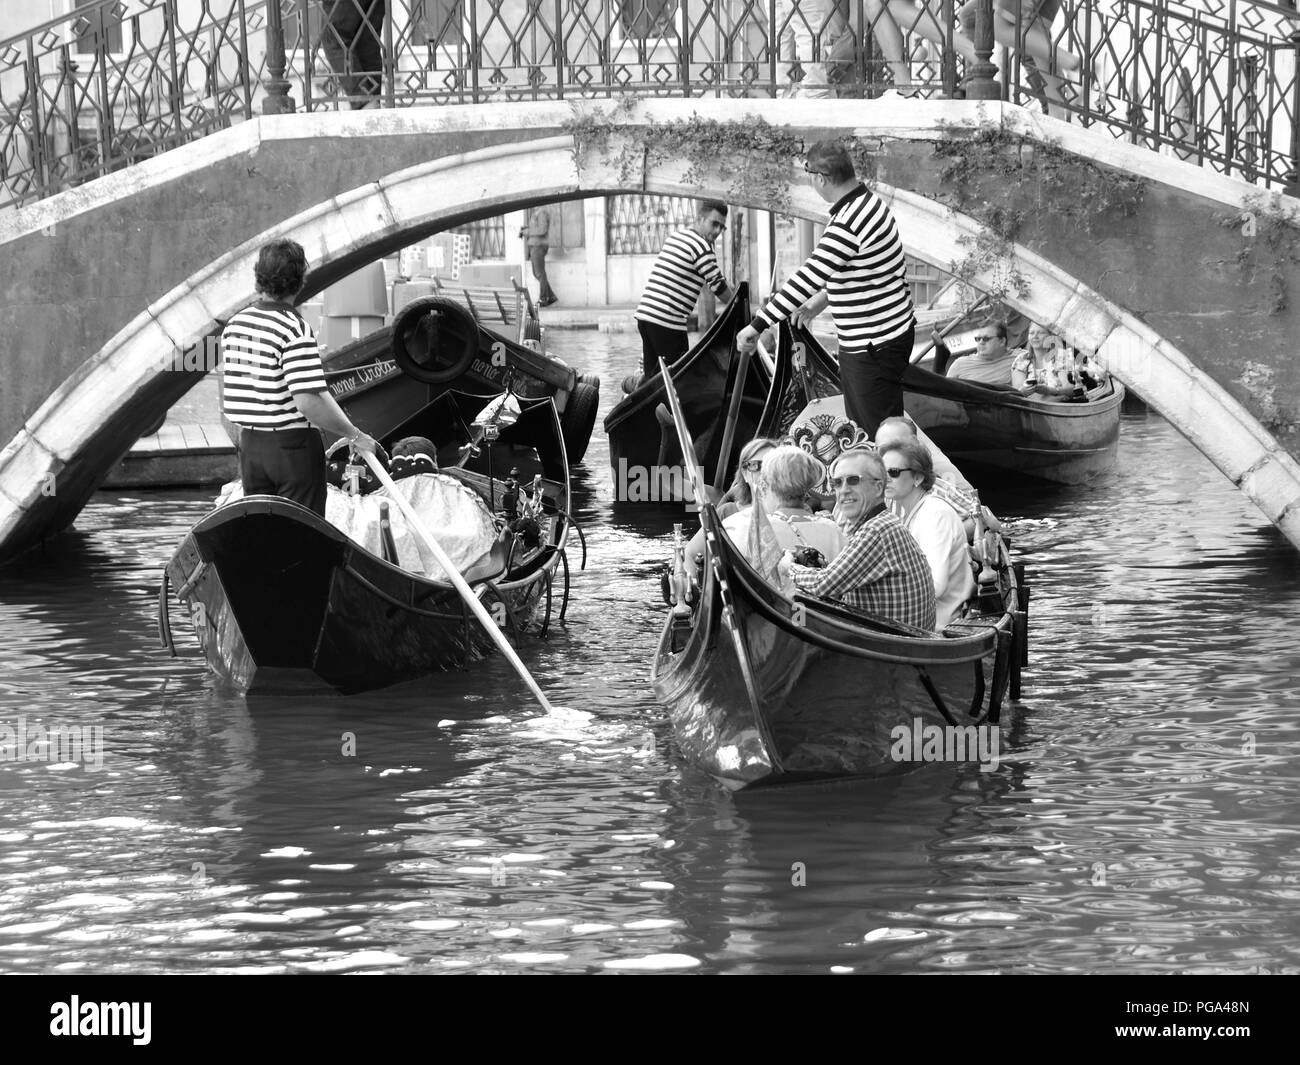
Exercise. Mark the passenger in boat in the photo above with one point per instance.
(933, 523)
(789, 473)
(1047, 367)
(992, 364)
(740, 496)
(858, 268)
(882, 569)
(412, 455)
(685, 264)
(947, 483)
(274, 388)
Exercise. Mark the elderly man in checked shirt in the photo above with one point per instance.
(882, 569)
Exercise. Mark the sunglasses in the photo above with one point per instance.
(809, 170)
(894, 471)
(981, 340)
(851, 480)
(752, 466)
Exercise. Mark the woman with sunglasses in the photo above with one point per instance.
(909, 476)
(740, 496)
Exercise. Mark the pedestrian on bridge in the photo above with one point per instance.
(352, 43)
(273, 387)
(858, 268)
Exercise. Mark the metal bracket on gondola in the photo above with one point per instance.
(183, 592)
(164, 618)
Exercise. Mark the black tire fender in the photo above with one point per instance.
(434, 340)
(579, 418)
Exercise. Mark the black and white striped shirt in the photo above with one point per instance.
(684, 264)
(859, 262)
(268, 353)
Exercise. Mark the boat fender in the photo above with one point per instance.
(434, 340)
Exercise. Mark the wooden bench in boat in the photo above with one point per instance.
(508, 306)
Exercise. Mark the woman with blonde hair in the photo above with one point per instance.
(789, 474)
(740, 496)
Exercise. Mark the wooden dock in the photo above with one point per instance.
(178, 455)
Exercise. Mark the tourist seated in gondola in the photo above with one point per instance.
(948, 483)
(1047, 367)
(933, 523)
(741, 493)
(788, 474)
(992, 364)
(882, 569)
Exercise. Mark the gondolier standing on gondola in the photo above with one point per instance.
(686, 262)
(858, 268)
(273, 387)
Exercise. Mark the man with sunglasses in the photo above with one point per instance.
(881, 569)
(992, 364)
(857, 268)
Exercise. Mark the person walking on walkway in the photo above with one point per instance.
(685, 263)
(858, 268)
(538, 234)
(274, 389)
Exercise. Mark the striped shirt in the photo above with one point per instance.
(859, 262)
(881, 570)
(268, 354)
(684, 264)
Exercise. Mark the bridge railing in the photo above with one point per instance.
(1213, 81)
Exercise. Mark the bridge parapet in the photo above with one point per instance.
(116, 81)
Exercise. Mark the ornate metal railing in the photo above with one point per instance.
(114, 81)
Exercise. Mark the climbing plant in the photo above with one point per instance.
(1272, 240)
(1004, 180)
(754, 156)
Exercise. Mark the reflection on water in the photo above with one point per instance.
(1143, 817)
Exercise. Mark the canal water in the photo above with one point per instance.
(1143, 818)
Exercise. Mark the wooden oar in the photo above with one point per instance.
(689, 460)
(733, 414)
(950, 327)
(466, 593)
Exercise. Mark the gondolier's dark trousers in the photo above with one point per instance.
(284, 462)
(872, 381)
(660, 342)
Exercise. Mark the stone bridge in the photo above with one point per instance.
(1180, 277)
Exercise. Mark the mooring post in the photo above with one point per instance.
(277, 100)
(981, 79)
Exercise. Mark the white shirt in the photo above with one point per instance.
(942, 537)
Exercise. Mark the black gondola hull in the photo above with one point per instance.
(766, 690)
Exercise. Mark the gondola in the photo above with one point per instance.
(643, 445)
(985, 429)
(988, 429)
(283, 600)
(435, 345)
(765, 689)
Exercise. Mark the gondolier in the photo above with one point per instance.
(685, 263)
(858, 268)
(274, 389)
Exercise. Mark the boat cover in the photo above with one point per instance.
(452, 512)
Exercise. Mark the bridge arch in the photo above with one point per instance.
(118, 385)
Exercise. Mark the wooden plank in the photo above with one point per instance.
(218, 437)
(170, 438)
